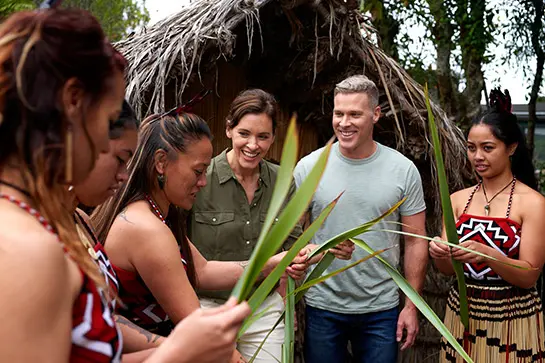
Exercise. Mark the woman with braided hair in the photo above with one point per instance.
(502, 216)
(61, 85)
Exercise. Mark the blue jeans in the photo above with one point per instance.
(372, 336)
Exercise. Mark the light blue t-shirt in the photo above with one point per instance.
(371, 186)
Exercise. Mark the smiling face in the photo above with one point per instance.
(488, 155)
(353, 121)
(110, 171)
(251, 139)
(186, 175)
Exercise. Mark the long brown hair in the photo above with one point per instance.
(39, 52)
(171, 133)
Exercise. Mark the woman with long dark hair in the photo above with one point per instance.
(61, 85)
(107, 176)
(502, 216)
(143, 226)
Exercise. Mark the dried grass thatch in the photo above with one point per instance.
(298, 50)
(329, 39)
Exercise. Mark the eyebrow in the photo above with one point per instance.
(484, 142)
(260, 133)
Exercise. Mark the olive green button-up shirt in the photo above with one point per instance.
(223, 225)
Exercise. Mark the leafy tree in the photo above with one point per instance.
(117, 17)
(460, 32)
(10, 6)
(525, 41)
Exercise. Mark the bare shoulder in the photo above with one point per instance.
(460, 198)
(37, 280)
(137, 224)
(530, 200)
(36, 258)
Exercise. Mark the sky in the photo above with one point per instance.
(497, 74)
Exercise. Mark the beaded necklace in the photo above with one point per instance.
(155, 209)
(160, 215)
(32, 211)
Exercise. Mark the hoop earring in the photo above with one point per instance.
(161, 181)
(68, 150)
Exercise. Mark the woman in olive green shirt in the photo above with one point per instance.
(227, 216)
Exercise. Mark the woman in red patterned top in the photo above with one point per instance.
(61, 84)
(108, 174)
(143, 226)
(502, 216)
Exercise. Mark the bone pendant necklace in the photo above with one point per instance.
(487, 205)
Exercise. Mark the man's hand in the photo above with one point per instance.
(343, 251)
(408, 321)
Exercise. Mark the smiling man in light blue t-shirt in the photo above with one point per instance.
(361, 304)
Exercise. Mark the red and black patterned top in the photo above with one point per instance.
(95, 336)
(141, 307)
(101, 258)
(500, 233)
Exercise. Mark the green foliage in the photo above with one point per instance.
(444, 43)
(289, 337)
(117, 17)
(8, 7)
(417, 300)
(269, 283)
(448, 214)
(516, 32)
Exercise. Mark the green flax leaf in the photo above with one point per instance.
(334, 241)
(271, 241)
(261, 293)
(418, 301)
(281, 189)
(448, 214)
(289, 322)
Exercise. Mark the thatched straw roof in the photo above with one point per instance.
(298, 49)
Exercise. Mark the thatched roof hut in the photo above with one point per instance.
(297, 50)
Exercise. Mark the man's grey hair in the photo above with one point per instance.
(359, 84)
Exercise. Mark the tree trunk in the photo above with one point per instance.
(473, 42)
(537, 29)
(442, 32)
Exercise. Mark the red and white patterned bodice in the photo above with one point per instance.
(95, 336)
(501, 233)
